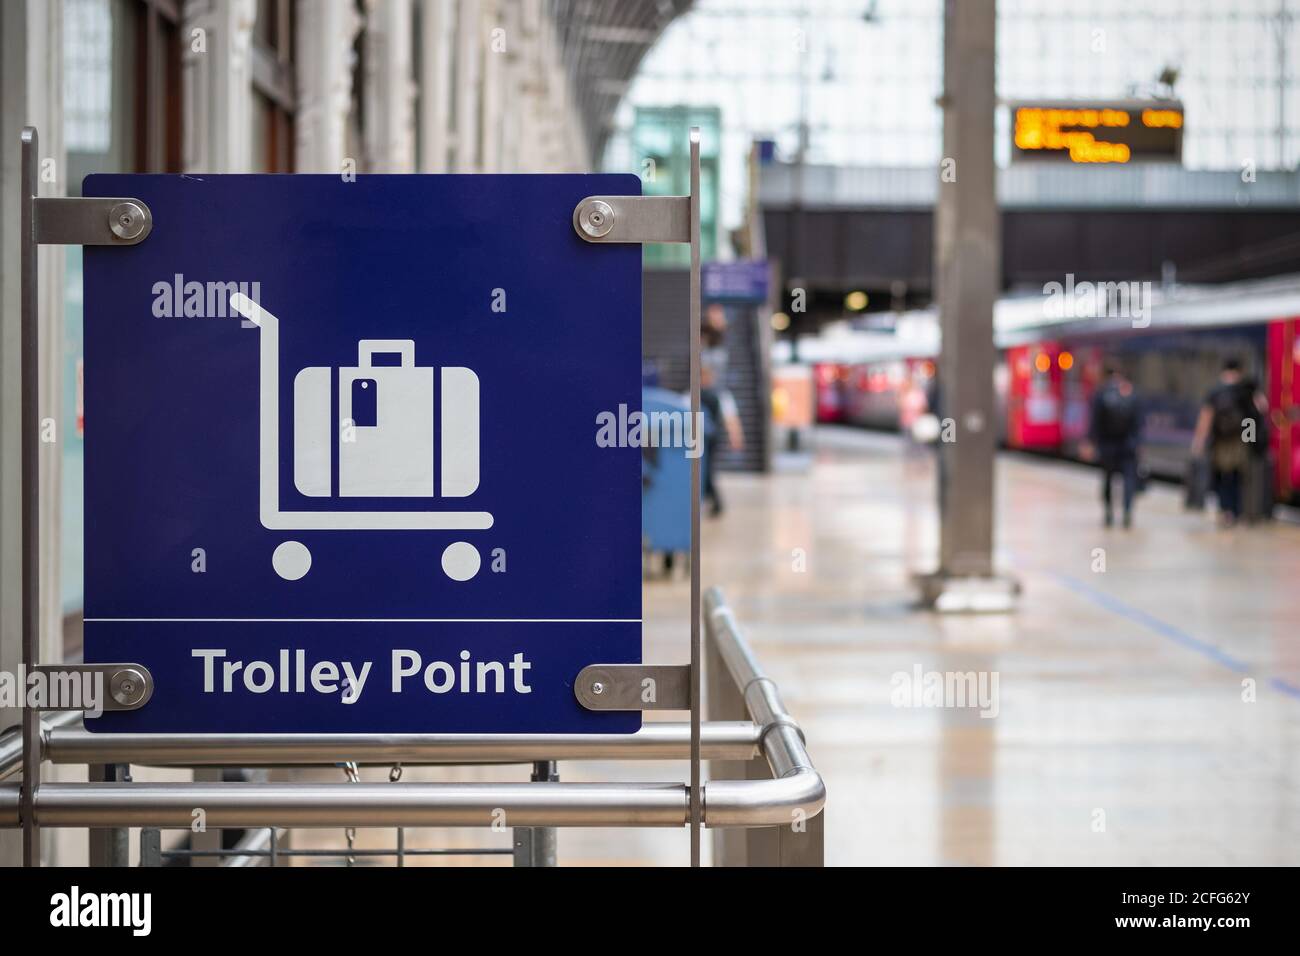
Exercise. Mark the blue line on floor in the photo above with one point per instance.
(1165, 629)
(1286, 687)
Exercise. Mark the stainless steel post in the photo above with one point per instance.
(206, 838)
(536, 846)
(802, 843)
(794, 835)
(733, 846)
(150, 847)
(697, 685)
(29, 416)
(109, 846)
(545, 839)
(726, 702)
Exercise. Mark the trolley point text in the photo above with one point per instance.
(290, 673)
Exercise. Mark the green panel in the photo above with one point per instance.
(661, 144)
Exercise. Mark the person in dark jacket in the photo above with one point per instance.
(1115, 434)
(1228, 429)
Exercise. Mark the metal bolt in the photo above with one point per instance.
(127, 686)
(596, 218)
(126, 219)
(598, 688)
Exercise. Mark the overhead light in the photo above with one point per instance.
(780, 321)
(855, 301)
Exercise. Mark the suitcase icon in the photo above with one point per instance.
(386, 434)
(385, 425)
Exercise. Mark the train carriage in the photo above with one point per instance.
(1048, 371)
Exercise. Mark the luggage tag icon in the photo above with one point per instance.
(365, 408)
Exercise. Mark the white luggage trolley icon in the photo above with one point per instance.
(368, 468)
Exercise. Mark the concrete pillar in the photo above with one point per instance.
(572, 151)
(968, 278)
(494, 102)
(469, 64)
(326, 30)
(496, 45)
(218, 85)
(514, 85)
(389, 87)
(437, 34)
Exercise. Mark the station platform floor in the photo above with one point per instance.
(1147, 713)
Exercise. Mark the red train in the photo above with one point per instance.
(1047, 373)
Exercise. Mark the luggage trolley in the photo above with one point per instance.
(378, 462)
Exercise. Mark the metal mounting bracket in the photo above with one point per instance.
(113, 687)
(634, 687)
(91, 221)
(634, 219)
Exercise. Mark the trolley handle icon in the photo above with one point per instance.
(292, 560)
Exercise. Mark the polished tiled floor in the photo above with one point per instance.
(1121, 734)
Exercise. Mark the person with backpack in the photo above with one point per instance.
(1115, 434)
(1227, 425)
(1257, 491)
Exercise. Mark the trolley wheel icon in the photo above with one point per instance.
(292, 560)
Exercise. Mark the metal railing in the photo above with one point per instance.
(763, 798)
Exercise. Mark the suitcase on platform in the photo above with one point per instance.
(1257, 490)
(1196, 483)
(665, 483)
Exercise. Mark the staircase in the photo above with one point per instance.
(665, 345)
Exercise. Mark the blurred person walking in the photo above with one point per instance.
(1232, 415)
(721, 418)
(721, 431)
(1115, 434)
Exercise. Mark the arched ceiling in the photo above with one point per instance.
(602, 43)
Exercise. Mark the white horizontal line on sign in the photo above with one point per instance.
(366, 620)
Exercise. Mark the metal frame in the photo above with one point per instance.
(642, 219)
(31, 540)
(761, 779)
(779, 791)
(63, 741)
(49, 221)
(758, 736)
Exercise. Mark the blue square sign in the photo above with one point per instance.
(342, 467)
